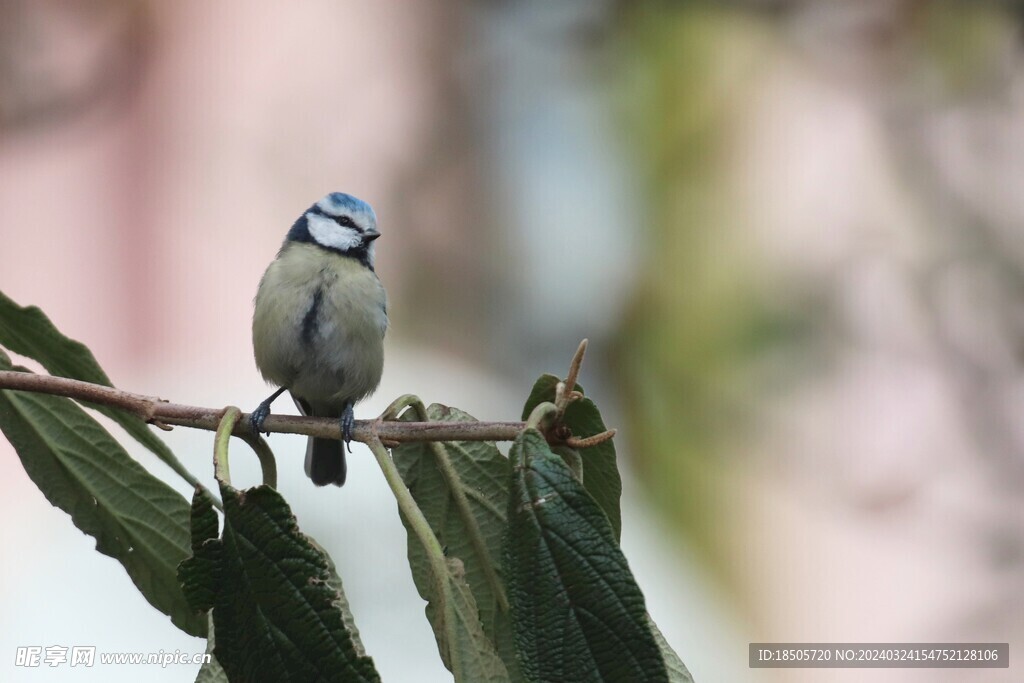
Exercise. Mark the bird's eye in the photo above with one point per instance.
(346, 221)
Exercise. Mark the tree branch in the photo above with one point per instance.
(162, 413)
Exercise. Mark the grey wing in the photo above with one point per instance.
(382, 322)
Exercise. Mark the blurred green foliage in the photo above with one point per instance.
(964, 44)
(687, 352)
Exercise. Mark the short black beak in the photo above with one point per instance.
(370, 235)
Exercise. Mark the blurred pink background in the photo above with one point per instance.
(791, 230)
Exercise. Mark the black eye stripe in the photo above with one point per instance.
(299, 232)
(343, 221)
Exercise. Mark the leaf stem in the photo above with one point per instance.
(407, 504)
(421, 528)
(268, 464)
(220, 444)
(455, 487)
(541, 416)
(398, 405)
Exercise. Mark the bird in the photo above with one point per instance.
(319, 320)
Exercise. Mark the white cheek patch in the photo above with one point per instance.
(329, 234)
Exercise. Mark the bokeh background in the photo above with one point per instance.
(792, 230)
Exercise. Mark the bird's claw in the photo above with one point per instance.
(257, 418)
(348, 423)
(262, 412)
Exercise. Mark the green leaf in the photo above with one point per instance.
(464, 648)
(212, 671)
(600, 469)
(135, 518)
(27, 331)
(198, 573)
(340, 600)
(577, 612)
(572, 460)
(198, 577)
(482, 474)
(275, 604)
(543, 391)
(677, 671)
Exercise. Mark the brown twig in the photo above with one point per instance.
(163, 414)
(155, 410)
(587, 442)
(565, 392)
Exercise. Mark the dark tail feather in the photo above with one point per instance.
(325, 461)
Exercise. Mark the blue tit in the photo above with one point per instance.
(319, 324)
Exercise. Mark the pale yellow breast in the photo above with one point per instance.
(342, 358)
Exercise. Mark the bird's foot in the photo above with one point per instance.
(262, 412)
(348, 423)
(258, 417)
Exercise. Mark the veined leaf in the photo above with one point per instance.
(340, 600)
(135, 518)
(600, 469)
(677, 671)
(577, 612)
(467, 652)
(212, 671)
(27, 331)
(198, 574)
(481, 476)
(275, 604)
